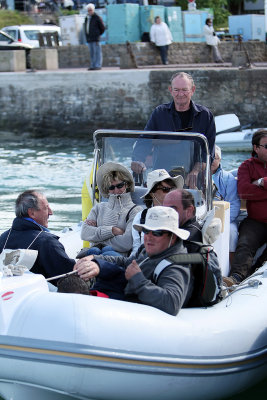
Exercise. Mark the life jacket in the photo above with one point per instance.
(205, 269)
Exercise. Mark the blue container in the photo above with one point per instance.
(102, 12)
(194, 22)
(173, 18)
(147, 16)
(250, 26)
(123, 23)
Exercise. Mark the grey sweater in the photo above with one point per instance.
(109, 214)
(173, 287)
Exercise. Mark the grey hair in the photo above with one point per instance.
(90, 6)
(182, 75)
(26, 200)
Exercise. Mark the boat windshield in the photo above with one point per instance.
(179, 154)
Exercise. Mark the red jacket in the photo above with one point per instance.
(256, 197)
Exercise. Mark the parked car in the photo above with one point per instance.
(31, 33)
(8, 43)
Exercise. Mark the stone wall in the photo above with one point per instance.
(77, 102)
(147, 54)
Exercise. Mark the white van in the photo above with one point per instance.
(30, 33)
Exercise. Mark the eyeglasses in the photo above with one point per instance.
(181, 90)
(118, 186)
(154, 233)
(165, 189)
(262, 145)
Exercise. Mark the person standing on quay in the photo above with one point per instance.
(162, 37)
(94, 28)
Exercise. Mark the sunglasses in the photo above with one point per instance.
(165, 189)
(154, 233)
(118, 186)
(263, 145)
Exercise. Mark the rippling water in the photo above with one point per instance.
(58, 168)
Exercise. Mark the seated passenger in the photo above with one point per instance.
(162, 238)
(182, 201)
(252, 187)
(159, 183)
(226, 186)
(108, 226)
(29, 230)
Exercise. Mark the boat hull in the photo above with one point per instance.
(85, 347)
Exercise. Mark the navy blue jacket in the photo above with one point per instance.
(162, 119)
(165, 118)
(52, 259)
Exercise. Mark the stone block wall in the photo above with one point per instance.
(147, 54)
(59, 103)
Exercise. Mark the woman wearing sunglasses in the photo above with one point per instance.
(159, 183)
(108, 226)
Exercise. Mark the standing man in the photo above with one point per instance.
(94, 28)
(29, 230)
(181, 114)
(252, 187)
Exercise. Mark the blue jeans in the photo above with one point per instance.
(95, 54)
(106, 251)
(163, 53)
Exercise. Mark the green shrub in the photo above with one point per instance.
(8, 17)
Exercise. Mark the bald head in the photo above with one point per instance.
(182, 201)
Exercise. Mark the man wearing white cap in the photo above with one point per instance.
(162, 239)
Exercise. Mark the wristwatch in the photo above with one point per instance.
(259, 182)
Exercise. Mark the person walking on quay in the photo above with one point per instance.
(161, 36)
(94, 28)
(212, 41)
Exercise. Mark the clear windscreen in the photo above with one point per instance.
(184, 155)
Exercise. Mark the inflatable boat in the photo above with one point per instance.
(70, 346)
(55, 345)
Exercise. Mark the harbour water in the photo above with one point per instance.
(58, 167)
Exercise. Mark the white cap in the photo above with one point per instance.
(159, 175)
(163, 218)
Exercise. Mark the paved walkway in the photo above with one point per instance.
(256, 65)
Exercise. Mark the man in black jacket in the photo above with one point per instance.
(93, 29)
(29, 231)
